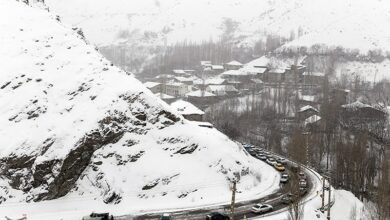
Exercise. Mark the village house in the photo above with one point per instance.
(222, 90)
(184, 80)
(316, 78)
(155, 87)
(175, 89)
(205, 64)
(215, 81)
(357, 113)
(167, 98)
(306, 112)
(217, 69)
(307, 100)
(238, 75)
(188, 110)
(312, 122)
(180, 73)
(233, 65)
(274, 76)
(339, 96)
(201, 97)
(164, 77)
(256, 71)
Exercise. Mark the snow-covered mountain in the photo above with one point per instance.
(73, 125)
(356, 24)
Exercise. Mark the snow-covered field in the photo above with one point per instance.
(87, 136)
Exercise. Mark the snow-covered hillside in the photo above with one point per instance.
(357, 24)
(73, 125)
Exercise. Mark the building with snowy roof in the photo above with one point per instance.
(155, 87)
(233, 65)
(306, 111)
(175, 89)
(188, 110)
(316, 78)
(222, 90)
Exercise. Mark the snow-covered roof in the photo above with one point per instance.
(160, 76)
(277, 70)
(259, 62)
(175, 84)
(307, 107)
(240, 72)
(186, 108)
(256, 70)
(199, 93)
(164, 96)
(215, 81)
(319, 74)
(222, 88)
(312, 119)
(205, 63)
(179, 72)
(356, 105)
(308, 98)
(217, 67)
(234, 63)
(257, 81)
(184, 79)
(151, 84)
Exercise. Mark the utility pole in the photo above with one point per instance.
(330, 188)
(323, 195)
(234, 189)
(306, 133)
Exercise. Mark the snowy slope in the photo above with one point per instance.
(74, 126)
(357, 24)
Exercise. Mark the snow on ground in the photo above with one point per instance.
(349, 23)
(366, 71)
(57, 88)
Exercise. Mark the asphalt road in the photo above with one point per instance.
(242, 209)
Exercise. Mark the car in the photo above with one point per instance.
(284, 178)
(257, 150)
(281, 160)
(287, 199)
(261, 208)
(302, 175)
(271, 161)
(302, 191)
(98, 216)
(279, 167)
(166, 216)
(302, 183)
(262, 157)
(259, 154)
(217, 216)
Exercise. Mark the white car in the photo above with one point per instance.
(284, 178)
(302, 183)
(271, 161)
(261, 208)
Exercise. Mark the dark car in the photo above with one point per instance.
(302, 190)
(166, 216)
(217, 216)
(98, 216)
(287, 199)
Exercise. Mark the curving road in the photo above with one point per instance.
(242, 209)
